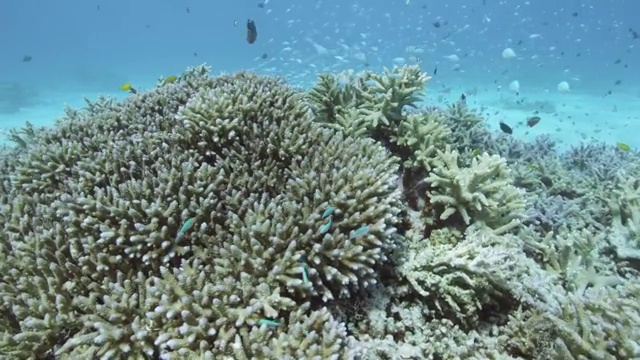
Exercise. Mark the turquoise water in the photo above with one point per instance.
(495, 216)
(88, 48)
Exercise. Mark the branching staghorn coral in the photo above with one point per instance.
(482, 192)
(423, 134)
(378, 99)
(375, 105)
(177, 222)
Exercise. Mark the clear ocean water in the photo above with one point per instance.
(173, 225)
(84, 48)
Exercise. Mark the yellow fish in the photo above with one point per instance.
(129, 88)
(169, 79)
(623, 146)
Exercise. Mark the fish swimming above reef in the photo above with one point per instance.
(623, 147)
(506, 128)
(128, 87)
(533, 121)
(169, 79)
(252, 32)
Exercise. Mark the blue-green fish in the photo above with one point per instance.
(325, 227)
(361, 231)
(305, 273)
(328, 212)
(185, 227)
(269, 322)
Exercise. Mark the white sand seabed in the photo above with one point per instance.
(568, 118)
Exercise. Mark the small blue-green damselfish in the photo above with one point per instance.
(328, 212)
(361, 231)
(185, 227)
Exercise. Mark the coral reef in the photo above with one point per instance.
(95, 261)
(482, 192)
(235, 217)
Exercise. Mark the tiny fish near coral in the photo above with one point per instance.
(623, 146)
(361, 231)
(128, 87)
(185, 227)
(169, 80)
(506, 128)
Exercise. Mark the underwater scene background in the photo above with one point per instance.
(323, 179)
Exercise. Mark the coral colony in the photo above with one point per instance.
(236, 217)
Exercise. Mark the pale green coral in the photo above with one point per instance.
(92, 266)
(601, 323)
(375, 105)
(424, 135)
(624, 207)
(373, 102)
(482, 192)
(483, 269)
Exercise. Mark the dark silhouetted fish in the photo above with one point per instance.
(252, 32)
(532, 121)
(506, 128)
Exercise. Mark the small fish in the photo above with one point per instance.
(269, 322)
(623, 147)
(475, 153)
(463, 97)
(326, 226)
(261, 5)
(532, 121)
(361, 231)
(305, 272)
(265, 56)
(328, 212)
(435, 71)
(129, 88)
(506, 128)
(169, 79)
(252, 32)
(27, 58)
(185, 227)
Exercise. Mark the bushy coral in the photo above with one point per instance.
(377, 106)
(601, 323)
(549, 213)
(482, 192)
(483, 270)
(171, 224)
